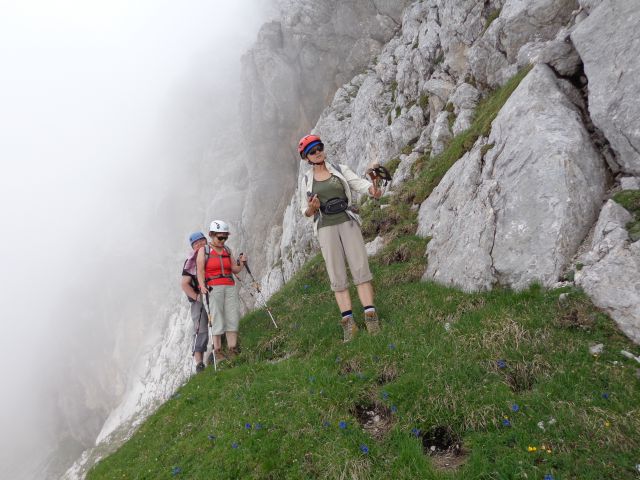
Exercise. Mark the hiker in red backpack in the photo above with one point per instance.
(326, 198)
(189, 286)
(216, 266)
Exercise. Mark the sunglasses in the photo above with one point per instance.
(316, 149)
(222, 239)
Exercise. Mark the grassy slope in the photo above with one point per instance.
(276, 413)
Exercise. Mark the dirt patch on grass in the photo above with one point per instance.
(350, 366)
(400, 254)
(522, 376)
(273, 349)
(388, 374)
(576, 314)
(375, 418)
(444, 447)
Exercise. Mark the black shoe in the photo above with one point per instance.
(199, 367)
(210, 359)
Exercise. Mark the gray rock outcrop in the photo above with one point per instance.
(517, 213)
(610, 274)
(289, 76)
(608, 42)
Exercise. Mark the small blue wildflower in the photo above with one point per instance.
(325, 424)
(312, 379)
(506, 422)
(338, 359)
(548, 476)
(392, 346)
(342, 425)
(211, 437)
(306, 287)
(515, 407)
(176, 395)
(364, 449)
(234, 445)
(501, 364)
(247, 426)
(175, 471)
(605, 395)
(394, 409)
(415, 432)
(385, 395)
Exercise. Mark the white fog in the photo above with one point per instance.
(106, 109)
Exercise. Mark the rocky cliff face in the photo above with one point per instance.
(517, 208)
(291, 74)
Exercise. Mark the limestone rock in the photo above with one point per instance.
(611, 270)
(441, 134)
(559, 53)
(374, 246)
(493, 58)
(465, 97)
(608, 42)
(630, 183)
(403, 172)
(518, 213)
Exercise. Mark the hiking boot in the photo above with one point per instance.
(199, 367)
(349, 328)
(220, 356)
(372, 322)
(233, 352)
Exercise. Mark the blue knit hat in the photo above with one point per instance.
(195, 236)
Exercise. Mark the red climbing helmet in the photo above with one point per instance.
(307, 143)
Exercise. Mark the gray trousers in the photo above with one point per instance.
(200, 327)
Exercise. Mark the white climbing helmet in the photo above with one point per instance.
(219, 226)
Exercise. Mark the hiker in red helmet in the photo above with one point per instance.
(326, 198)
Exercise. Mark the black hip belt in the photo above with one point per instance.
(334, 205)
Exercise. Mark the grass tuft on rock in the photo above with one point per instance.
(630, 199)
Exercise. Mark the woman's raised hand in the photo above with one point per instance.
(314, 203)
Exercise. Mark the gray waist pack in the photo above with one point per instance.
(334, 205)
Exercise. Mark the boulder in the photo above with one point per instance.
(558, 53)
(441, 134)
(514, 210)
(610, 274)
(630, 183)
(608, 42)
(492, 59)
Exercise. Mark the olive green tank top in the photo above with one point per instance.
(326, 190)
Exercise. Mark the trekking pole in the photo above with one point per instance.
(213, 350)
(257, 287)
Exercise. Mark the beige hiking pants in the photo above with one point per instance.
(338, 241)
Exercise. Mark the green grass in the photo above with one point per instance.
(630, 199)
(447, 364)
(435, 364)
